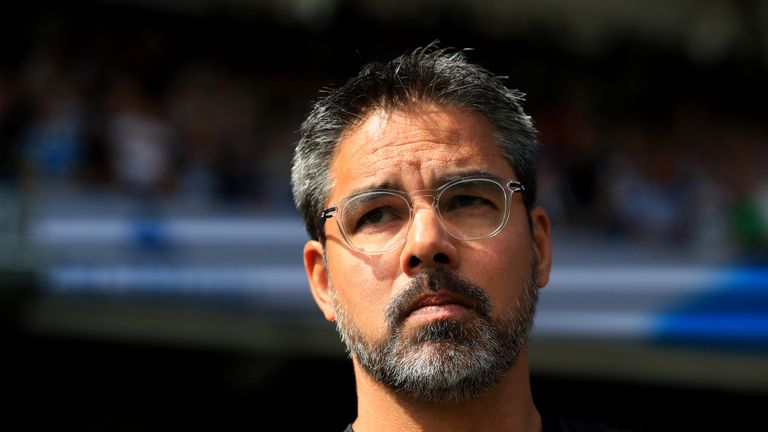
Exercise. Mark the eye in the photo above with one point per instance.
(459, 202)
(377, 216)
(377, 212)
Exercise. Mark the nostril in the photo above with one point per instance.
(441, 258)
(413, 262)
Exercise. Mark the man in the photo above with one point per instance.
(416, 180)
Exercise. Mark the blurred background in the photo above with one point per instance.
(150, 268)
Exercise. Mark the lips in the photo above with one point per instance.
(437, 294)
(440, 301)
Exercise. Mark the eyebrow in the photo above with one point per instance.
(384, 185)
(441, 180)
(447, 178)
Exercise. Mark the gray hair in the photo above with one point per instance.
(426, 75)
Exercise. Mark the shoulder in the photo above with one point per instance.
(555, 423)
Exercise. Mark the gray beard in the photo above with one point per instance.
(449, 360)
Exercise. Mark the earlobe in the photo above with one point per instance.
(542, 244)
(317, 276)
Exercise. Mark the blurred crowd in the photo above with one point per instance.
(127, 114)
(692, 178)
(203, 132)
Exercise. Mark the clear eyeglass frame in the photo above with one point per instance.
(509, 187)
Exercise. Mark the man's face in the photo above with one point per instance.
(436, 313)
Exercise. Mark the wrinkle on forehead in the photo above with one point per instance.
(417, 124)
(409, 138)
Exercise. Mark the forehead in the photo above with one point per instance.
(415, 147)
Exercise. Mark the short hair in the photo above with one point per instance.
(425, 75)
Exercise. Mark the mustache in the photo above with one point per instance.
(436, 280)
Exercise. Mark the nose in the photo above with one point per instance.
(427, 245)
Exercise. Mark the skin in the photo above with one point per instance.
(416, 149)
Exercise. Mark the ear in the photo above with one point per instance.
(317, 275)
(542, 244)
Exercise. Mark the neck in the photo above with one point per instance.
(508, 406)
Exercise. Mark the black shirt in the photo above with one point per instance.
(555, 423)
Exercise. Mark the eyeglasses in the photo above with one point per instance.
(377, 221)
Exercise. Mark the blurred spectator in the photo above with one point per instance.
(570, 141)
(218, 116)
(745, 178)
(140, 139)
(11, 118)
(53, 142)
(649, 190)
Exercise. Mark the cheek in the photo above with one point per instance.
(362, 292)
(506, 254)
(501, 268)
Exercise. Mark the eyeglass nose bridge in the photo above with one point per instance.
(434, 194)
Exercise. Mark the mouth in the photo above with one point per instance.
(434, 306)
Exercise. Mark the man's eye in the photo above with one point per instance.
(377, 216)
(466, 202)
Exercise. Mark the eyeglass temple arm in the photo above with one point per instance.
(327, 213)
(514, 186)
